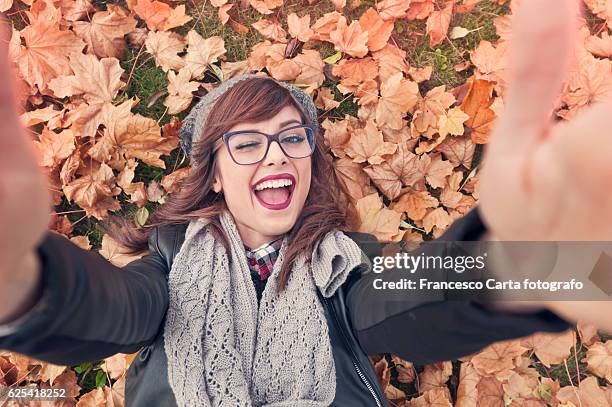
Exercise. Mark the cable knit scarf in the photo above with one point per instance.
(223, 350)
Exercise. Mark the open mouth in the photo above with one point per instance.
(275, 191)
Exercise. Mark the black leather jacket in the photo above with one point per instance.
(94, 310)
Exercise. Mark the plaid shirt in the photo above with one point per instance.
(261, 261)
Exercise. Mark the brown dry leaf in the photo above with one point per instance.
(467, 393)
(179, 91)
(490, 61)
(165, 46)
(437, 171)
(356, 181)
(599, 360)
(49, 372)
(202, 52)
(551, 348)
(53, 147)
(104, 34)
(37, 116)
(390, 60)
(325, 25)
(588, 333)
(325, 101)
(354, 72)
(458, 150)
(94, 398)
(477, 105)
(272, 30)
(265, 6)
(452, 122)
(490, 393)
(299, 27)
(374, 218)
(223, 13)
(400, 169)
(116, 254)
(435, 376)
(128, 135)
(397, 96)
(350, 39)
(600, 46)
(115, 395)
(98, 81)
(588, 394)
(116, 365)
(68, 380)
(45, 54)
(160, 16)
(339, 4)
(172, 181)
(438, 218)
(311, 64)
(336, 134)
(81, 241)
(378, 29)
(497, 357)
(438, 23)
(405, 370)
(392, 9)
(420, 9)
(367, 145)
(415, 204)
(590, 83)
(420, 74)
(94, 190)
(436, 397)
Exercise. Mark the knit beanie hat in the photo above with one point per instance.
(193, 126)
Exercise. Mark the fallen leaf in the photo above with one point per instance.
(438, 23)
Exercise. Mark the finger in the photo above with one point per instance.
(544, 33)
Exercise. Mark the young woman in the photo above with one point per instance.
(250, 293)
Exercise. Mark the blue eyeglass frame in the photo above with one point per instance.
(310, 133)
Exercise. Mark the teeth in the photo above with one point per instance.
(277, 183)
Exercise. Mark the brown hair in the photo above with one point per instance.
(327, 205)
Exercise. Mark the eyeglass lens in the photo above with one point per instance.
(248, 148)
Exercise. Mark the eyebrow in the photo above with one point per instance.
(281, 125)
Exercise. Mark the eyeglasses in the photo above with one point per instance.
(251, 146)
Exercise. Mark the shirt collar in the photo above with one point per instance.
(261, 259)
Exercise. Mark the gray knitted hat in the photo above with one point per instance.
(192, 127)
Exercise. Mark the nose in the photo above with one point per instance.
(275, 155)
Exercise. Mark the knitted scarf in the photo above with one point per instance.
(224, 350)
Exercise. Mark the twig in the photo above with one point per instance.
(127, 84)
(572, 383)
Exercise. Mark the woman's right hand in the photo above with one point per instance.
(25, 201)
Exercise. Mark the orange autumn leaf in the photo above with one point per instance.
(367, 144)
(104, 35)
(53, 148)
(477, 105)
(420, 9)
(180, 90)
(311, 69)
(438, 23)
(265, 6)
(160, 16)
(299, 27)
(202, 52)
(165, 46)
(325, 25)
(45, 54)
(415, 204)
(392, 9)
(551, 348)
(272, 30)
(356, 181)
(171, 182)
(600, 46)
(397, 96)
(599, 360)
(390, 60)
(374, 218)
(118, 255)
(497, 357)
(351, 39)
(378, 29)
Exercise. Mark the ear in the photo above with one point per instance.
(217, 184)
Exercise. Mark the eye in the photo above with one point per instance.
(251, 144)
(293, 138)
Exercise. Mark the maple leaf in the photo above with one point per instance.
(392, 9)
(467, 395)
(172, 181)
(491, 61)
(476, 104)
(353, 72)
(76, 10)
(160, 16)
(437, 171)
(415, 204)
(97, 80)
(272, 30)
(53, 148)
(116, 254)
(325, 100)
(367, 144)
(600, 46)
(325, 25)
(351, 39)
(356, 181)
(551, 348)
(165, 46)
(458, 150)
(378, 29)
(436, 397)
(94, 190)
(452, 122)
(599, 360)
(591, 82)
(374, 218)
(589, 393)
(438, 23)
(37, 116)
(223, 13)
(397, 96)
(435, 376)
(390, 60)
(299, 27)
(497, 357)
(202, 52)
(104, 34)
(420, 9)
(179, 91)
(401, 168)
(311, 65)
(265, 6)
(336, 134)
(45, 54)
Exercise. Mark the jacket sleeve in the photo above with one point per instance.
(89, 308)
(437, 330)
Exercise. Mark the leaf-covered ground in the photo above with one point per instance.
(407, 92)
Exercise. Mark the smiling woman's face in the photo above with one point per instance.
(264, 214)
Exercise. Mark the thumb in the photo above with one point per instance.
(543, 41)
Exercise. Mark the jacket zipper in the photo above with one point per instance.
(355, 360)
